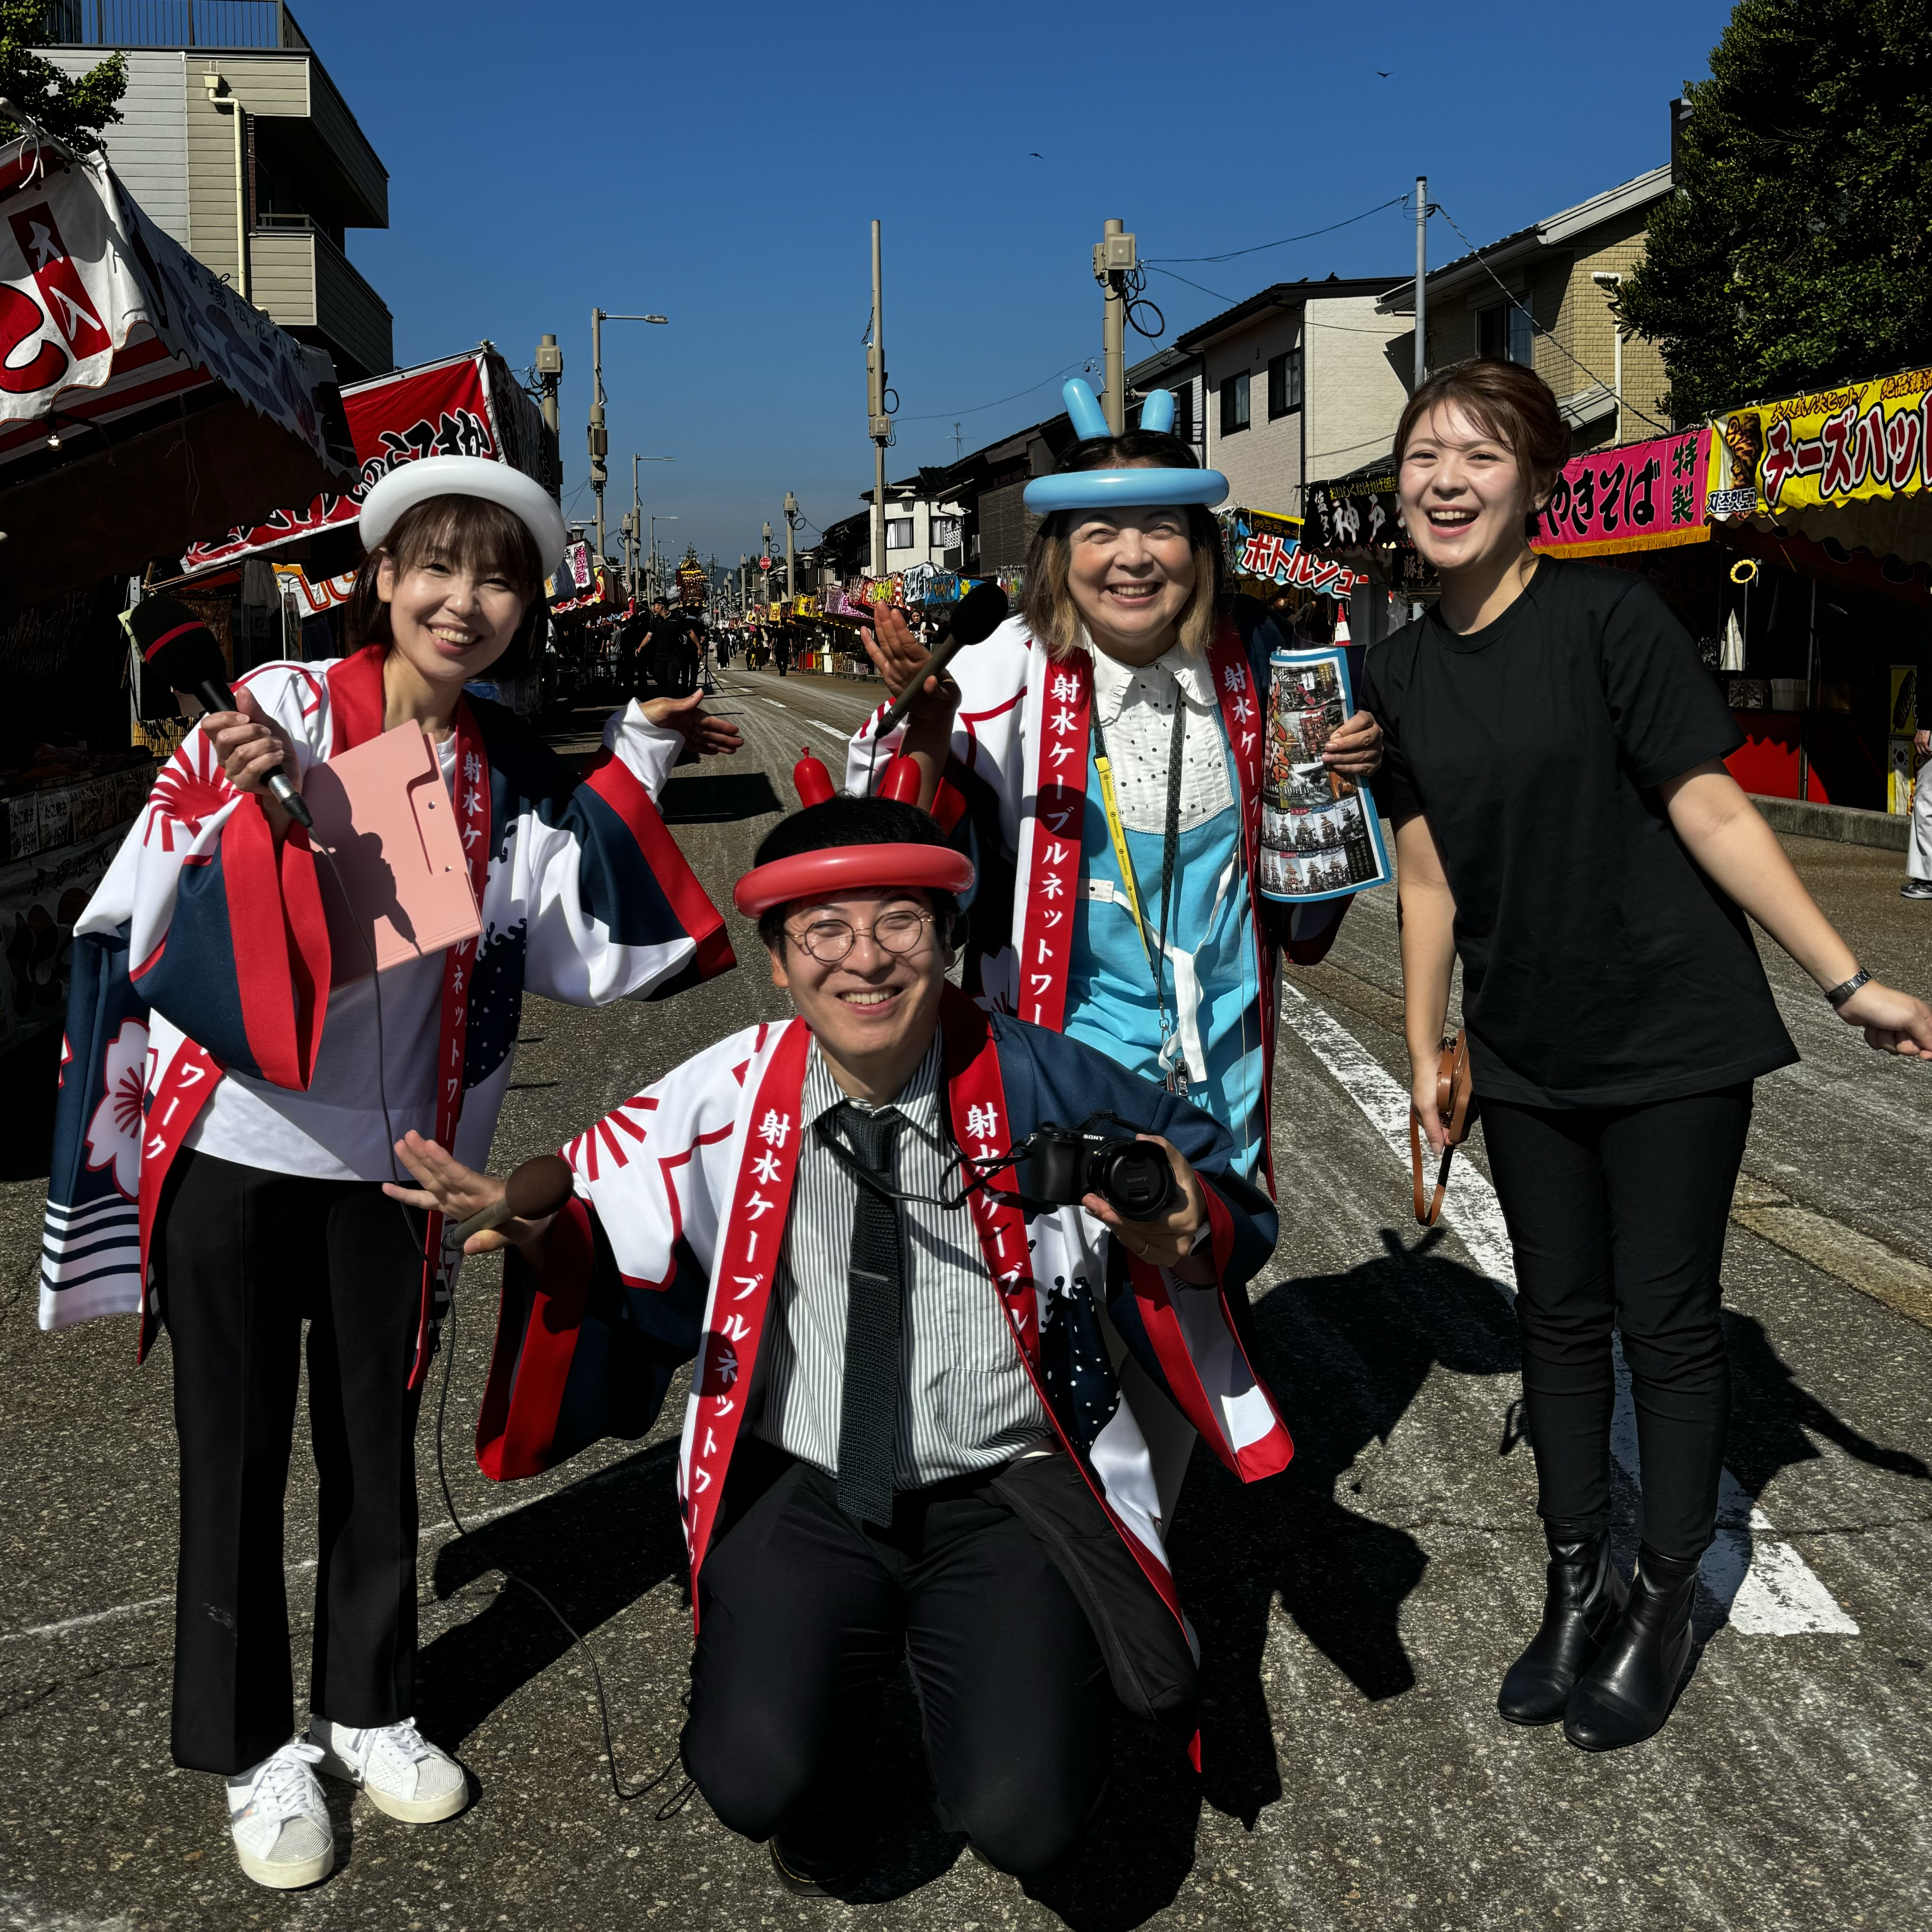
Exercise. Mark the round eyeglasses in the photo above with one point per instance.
(829, 939)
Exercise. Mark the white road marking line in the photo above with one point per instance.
(779, 702)
(1765, 1587)
(818, 725)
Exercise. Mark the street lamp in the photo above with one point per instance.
(600, 436)
(637, 521)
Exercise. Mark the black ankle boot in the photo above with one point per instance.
(1581, 1602)
(1625, 1696)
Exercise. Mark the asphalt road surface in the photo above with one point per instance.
(1356, 1613)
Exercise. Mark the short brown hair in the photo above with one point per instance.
(474, 535)
(1504, 400)
(1048, 602)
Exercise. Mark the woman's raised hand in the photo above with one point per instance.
(708, 736)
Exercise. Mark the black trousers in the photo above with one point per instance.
(247, 1256)
(803, 1616)
(1616, 1216)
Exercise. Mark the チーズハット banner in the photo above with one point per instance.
(1639, 495)
(1864, 440)
(441, 409)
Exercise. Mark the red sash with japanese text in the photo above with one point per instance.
(751, 1238)
(1045, 922)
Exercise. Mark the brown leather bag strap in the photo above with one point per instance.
(1427, 1215)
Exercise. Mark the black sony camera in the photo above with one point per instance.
(1064, 1165)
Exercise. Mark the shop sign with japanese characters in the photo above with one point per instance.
(1639, 496)
(1866, 439)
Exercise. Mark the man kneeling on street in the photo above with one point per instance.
(948, 1363)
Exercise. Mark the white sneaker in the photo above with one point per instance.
(278, 1820)
(402, 1772)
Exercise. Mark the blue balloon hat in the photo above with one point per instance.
(1122, 489)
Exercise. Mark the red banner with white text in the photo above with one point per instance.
(440, 409)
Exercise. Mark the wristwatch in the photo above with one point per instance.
(1839, 994)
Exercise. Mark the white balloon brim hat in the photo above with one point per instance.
(1122, 489)
(410, 484)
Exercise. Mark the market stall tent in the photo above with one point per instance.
(142, 403)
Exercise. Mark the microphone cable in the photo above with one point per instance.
(681, 1797)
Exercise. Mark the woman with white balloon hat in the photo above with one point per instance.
(1106, 747)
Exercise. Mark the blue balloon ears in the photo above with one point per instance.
(1089, 420)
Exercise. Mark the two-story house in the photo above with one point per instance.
(235, 141)
(1541, 297)
(1297, 382)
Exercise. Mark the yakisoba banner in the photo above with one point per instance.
(1637, 495)
(1864, 440)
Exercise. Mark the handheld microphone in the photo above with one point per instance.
(975, 618)
(538, 1187)
(179, 649)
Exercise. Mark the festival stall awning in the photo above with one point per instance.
(464, 405)
(1268, 549)
(1848, 466)
(1635, 495)
(141, 402)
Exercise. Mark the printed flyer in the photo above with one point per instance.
(1320, 836)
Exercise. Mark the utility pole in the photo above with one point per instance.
(549, 379)
(879, 424)
(600, 434)
(791, 552)
(1113, 262)
(1421, 279)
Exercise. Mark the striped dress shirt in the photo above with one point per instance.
(965, 1400)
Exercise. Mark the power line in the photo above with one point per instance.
(1261, 247)
(1084, 364)
(1623, 402)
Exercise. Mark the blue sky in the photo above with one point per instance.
(721, 165)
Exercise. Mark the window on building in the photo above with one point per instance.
(1284, 373)
(946, 531)
(1234, 403)
(1505, 331)
(898, 533)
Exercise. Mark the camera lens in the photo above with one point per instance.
(1136, 1179)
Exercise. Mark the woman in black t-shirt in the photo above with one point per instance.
(1565, 826)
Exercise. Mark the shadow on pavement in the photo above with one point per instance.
(721, 800)
(1771, 1414)
(1346, 1355)
(594, 1548)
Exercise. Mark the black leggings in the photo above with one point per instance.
(804, 1616)
(1616, 1215)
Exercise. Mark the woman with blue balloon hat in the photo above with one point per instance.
(1107, 744)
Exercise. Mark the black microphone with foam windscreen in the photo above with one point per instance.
(178, 650)
(975, 618)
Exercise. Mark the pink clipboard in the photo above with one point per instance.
(384, 811)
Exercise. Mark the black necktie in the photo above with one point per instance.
(869, 1409)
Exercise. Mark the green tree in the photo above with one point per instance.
(75, 111)
(1797, 250)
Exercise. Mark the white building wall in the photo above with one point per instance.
(149, 148)
(1263, 462)
(1354, 395)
